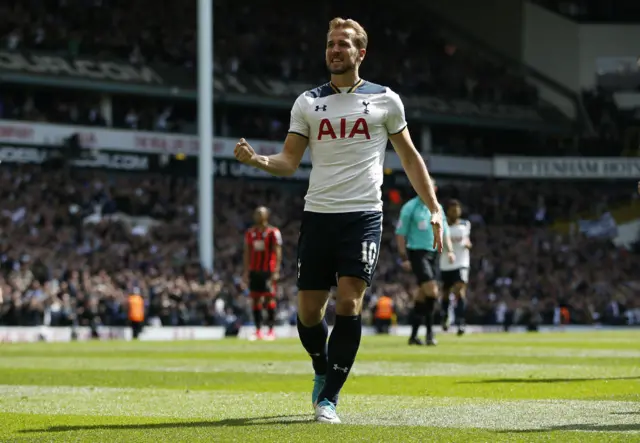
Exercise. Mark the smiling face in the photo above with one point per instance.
(342, 55)
(346, 46)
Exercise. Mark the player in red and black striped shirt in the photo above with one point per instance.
(262, 259)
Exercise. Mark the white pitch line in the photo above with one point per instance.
(299, 367)
(354, 409)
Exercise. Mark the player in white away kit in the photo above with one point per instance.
(346, 123)
(455, 276)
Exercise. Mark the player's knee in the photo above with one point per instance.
(310, 319)
(311, 306)
(459, 290)
(418, 295)
(429, 289)
(350, 294)
(349, 305)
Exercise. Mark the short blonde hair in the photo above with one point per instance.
(361, 39)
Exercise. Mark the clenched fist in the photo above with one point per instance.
(244, 153)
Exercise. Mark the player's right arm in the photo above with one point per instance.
(285, 163)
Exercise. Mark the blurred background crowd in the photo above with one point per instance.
(68, 261)
(74, 242)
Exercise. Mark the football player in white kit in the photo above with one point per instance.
(346, 123)
(455, 275)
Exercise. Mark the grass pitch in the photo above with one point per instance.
(567, 387)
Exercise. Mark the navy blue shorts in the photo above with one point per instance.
(337, 245)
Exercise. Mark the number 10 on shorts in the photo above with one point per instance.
(369, 253)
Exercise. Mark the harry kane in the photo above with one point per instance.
(346, 124)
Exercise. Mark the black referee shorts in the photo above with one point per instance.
(424, 264)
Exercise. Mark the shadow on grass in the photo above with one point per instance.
(545, 380)
(628, 427)
(231, 422)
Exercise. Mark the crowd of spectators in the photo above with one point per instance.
(74, 243)
(616, 132)
(617, 129)
(73, 261)
(140, 114)
(595, 11)
(269, 124)
(408, 48)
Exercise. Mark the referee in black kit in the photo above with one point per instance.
(415, 241)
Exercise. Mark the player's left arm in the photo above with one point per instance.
(416, 170)
(468, 243)
(277, 236)
(246, 259)
(412, 162)
(448, 246)
(410, 158)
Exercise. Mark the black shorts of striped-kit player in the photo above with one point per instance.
(454, 276)
(331, 246)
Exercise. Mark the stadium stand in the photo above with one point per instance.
(595, 11)
(100, 234)
(426, 59)
(168, 37)
(104, 246)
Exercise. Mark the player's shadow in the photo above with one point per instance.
(628, 427)
(545, 380)
(231, 422)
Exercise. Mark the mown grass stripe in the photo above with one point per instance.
(355, 409)
(27, 428)
(523, 387)
(265, 352)
(483, 387)
(362, 367)
(603, 344)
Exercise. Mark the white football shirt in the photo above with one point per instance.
(348, 131)
(460, 233)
